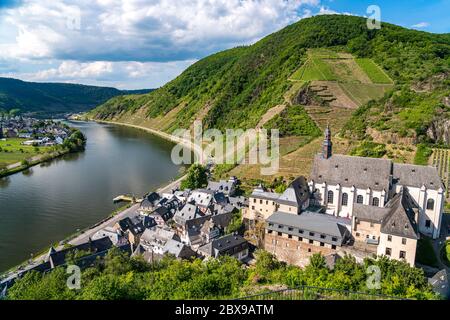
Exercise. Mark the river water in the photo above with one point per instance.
(51, 201)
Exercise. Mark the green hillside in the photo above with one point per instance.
(46, 99)
(235, 88)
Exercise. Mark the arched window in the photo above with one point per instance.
(376, 202)
(430, 204)
(344, 199)
(330, 196)
(359, 199)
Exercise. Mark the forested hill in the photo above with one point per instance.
(235, 88)
(53, 98)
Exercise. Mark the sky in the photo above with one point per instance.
(134, 44)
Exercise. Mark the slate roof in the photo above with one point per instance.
(440, 283)
(226, 245)
(201, 197)
(319, 224)
(93, 246)
(178, 249)
(188, 212)
(400, 219)
(369, 213)
(417, 176)
(221, 186)
(351, 171)
(265, 195)
(296, 194)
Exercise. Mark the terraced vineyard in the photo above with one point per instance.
(441, 160)
(341, 80)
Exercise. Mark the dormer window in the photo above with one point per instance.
(413, 170)
(336, 166)
(365, 169)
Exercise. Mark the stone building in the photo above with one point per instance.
(341, 182)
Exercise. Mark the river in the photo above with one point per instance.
(51, 201)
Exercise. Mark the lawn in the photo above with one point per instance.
(373, 71)
(446, 254)
(13, 151)
(425, 253)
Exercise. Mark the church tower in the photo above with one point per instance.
(327, 146)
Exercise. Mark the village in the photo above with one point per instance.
(349, 206)
(34, 132)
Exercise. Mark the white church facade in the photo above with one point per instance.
(339, 181)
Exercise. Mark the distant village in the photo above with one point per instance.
(349, 205)
(35, 132)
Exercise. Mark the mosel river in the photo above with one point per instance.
(51, 201)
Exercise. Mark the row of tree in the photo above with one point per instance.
(119, 277)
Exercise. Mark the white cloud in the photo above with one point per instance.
(420, 25)
(125, 75)
(160, 30)
(131, 43)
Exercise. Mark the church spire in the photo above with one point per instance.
(327, 146)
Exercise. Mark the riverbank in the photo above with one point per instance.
(22, 166)
(186, 143)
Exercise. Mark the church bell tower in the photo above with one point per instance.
(327, 146)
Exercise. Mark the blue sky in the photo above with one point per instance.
(134, 44)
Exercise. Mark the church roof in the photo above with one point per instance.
(400, 219)
(348, 171)
(417, 176)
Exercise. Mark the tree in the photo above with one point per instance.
(196, 178)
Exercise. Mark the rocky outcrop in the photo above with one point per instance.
(439, 130)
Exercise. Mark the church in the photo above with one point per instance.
(340, 183)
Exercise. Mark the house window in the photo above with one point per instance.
(267, 202)
(300, 239)
(254, 200)
(389, 238)
(388, 251)
(300, 231)
(357, 234)
(330, 196)
(269, 231)
(344, 199)
(290, 236)
(376, 202)
(309, 249)
(280, 234)
(322, 244)
(311, 234)
(402, 255)
(311, 241)
(333, 246)
(359, 199)
(253, 207)
(260, 201)
(403, 240)
(334, 239)
(430, 204)
(428, 223)
(322, 236)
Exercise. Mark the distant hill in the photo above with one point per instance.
(47, 99)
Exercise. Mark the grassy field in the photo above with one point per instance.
(373, 71)
(12, 151)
